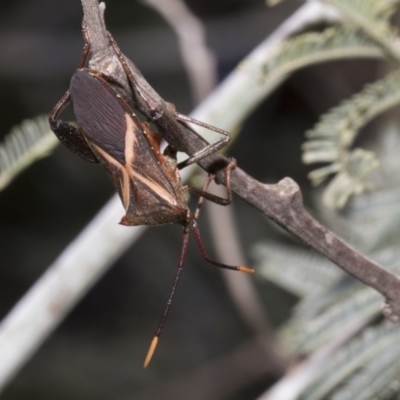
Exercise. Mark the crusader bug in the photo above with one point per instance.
(147, 180)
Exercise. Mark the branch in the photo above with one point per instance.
(283, 203)
(94, 20)
(64, 283)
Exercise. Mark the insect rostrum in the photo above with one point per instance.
(148, 181)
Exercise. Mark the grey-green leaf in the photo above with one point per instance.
(26, 143)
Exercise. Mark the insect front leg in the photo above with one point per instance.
(71, 136)
(155, 114)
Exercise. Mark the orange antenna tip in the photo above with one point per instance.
(245, 269)
(151, 351)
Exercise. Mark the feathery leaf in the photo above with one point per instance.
(351, 180)
(373, 17)
(299, 271)
(330, 140)
(319, 317)
(27, 142)
(304, 335)
(312, 48)
(378, 379)
(352, 357)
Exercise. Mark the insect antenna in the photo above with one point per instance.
(193, 226)
(182, 258)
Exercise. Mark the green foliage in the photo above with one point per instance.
(331, 140)
(26, 143)
(368, 365)
(303, 273)
(372, 16)
(357, 360)
(340, 304)
(311, 48)
(367, 32)
(378, 379)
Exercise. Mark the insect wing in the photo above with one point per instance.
(119, 140)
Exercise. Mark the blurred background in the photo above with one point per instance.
(98, 351)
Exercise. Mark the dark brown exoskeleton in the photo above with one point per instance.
(148, 181)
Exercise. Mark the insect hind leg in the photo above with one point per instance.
(219, 200)
(204, 195)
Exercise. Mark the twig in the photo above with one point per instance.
(283, 203)
(94, 19)
(199, 61)
(240, 93)
(77, 269)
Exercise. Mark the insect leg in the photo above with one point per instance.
(182, 258)
(131, 79)
(207, 150)
(69, 135)
(211, 197)
(65, 100)
(196, 231)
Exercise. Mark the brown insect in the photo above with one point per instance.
(147, 180)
